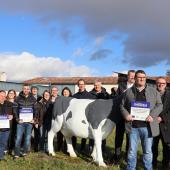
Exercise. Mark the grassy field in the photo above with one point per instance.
(41, 161)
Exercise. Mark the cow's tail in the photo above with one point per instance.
(56, 126)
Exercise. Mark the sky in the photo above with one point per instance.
(83, 37)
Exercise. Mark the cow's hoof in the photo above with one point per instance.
(94, 158)
(51, 154)
(102, 164)
(73, 155)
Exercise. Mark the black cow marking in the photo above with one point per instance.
(69, 116)
(83, 121)
(60, 106)
(99, 110)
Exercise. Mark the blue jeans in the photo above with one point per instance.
(27, 129)
(4, 135)
(135, 136)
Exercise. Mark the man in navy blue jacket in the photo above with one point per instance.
(25, 116)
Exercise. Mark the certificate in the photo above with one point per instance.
(26, 114)
(140, 110)
(4, 122)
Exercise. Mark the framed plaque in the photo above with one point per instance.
(140, 110)
(4, 122)
(26, 114)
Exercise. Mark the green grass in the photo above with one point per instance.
(40, 161)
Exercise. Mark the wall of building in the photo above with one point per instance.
(74, 88)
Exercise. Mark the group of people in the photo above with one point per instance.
(28, 111)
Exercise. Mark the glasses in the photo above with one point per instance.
(141, 77)
(159, 83)
(11, 93)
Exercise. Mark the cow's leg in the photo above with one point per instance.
(55, 127)
(70, 149)
(51, 135)
(98, 143)
(94, 154)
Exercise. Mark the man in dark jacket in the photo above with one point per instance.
(120, 126)
(99, 92)
(164, 119)
(36, 128)
(82, 94)
(5, 117)
(25, 116)
(34, 91)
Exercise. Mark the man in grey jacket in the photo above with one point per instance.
(141, 127)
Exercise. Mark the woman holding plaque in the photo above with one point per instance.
(5, 117)
(11, 96)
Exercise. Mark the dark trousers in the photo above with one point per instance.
(91, 144)
(83, 143)
(120, 130)
(74, 142)
(12, 136)
(60, 141)
(36, 138)
(166, 150)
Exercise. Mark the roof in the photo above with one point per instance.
(71, 80)
(88, 80)
(166, 77)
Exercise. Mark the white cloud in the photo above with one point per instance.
(78, 52)
(145, 23)
(24, 66)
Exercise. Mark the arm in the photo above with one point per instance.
(123, 108)
(166, 108)
(158, 106)
(16, 109)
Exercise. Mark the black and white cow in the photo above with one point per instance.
(83, 118)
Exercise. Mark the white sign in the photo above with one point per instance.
(26, 114)
(140, 110)
(4, 122)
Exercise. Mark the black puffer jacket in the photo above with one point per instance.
(102, 95)
(84, 95)
(25, 102)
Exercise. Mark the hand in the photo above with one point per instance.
(32, 121)
(36, 126)
(159, 119)
(10, 117)
(20, 121)
(129, 118)
(149, 119)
